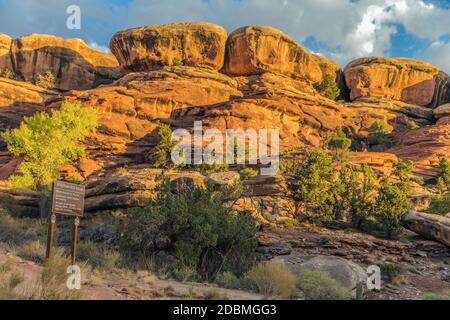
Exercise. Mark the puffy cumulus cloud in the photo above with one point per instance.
(344, 29)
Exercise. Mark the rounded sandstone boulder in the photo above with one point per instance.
(73, 63)
(402, 79)
(253, 50)
(154, 47)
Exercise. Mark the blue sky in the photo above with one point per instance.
(339, 29)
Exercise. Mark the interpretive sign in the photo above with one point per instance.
(68, 199)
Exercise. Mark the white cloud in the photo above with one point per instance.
(438, 53)
(98, 47)
(348, 29)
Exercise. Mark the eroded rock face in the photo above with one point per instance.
(254, 50)
(5, 53)
(72, 62)
(407, 80)
(154, 47)
(430, 226)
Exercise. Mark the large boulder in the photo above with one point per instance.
(348, 273)
(442, 114)
(403, 79)
(154, 47)
(74, 64)
(5, 53)
(430, 226)
(254, 50)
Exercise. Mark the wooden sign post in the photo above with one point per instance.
(68, 200)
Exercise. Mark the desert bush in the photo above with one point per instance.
(247, 173)
(19, 231)
(207, 169)
(338, 144)
(312, 186)
(162, 153)
(228, 280)
(445, 295)
(32, 251)
(392, 272)
(9, 74)
(196, 227)
(46, 80)
(317, 285)
(413, 125)
(378, 135)
(46, 142)
(8, 285)
(289, 167)
(440, 204)
(98, 257)
(52, 282)
(328, 88)
(274, 279)
(444, 174)
(176, 62)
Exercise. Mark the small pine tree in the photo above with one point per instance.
(328, 88)
(162, 153)
(444, 173)
(339, 144)
(378, 135)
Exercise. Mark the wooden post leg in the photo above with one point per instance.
(75, 239)
(50, 235)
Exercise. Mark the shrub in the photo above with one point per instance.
(274, 279)
(444, 173)
(339, 144)
(8, 74)
(311, 189)
(317, 285)
(33, 251)
(247, 173)
(196, 227)
(413, 125)
(207, 169)
(98, 257)
(228, 280)
(176, 62)
(47, 142)
(378, 135)
(46, 80)
(445, 295)
(392, 272)
(440, 204)
(8, 285)
(328, 88)
(162, 153)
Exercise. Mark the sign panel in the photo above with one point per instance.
(68, 198)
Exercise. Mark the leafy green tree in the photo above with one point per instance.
(162, 153)
(361, 192)
(48, 141)
(378, 135)
(392, 202)
(197, 227)
(311, 189)
(339, 145)
(328, 88)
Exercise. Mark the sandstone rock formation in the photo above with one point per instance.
(154, 47)
(5, 53)
(430, 226)
(72, 62)
(254, 50)
(442, 114)
(407, 80)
